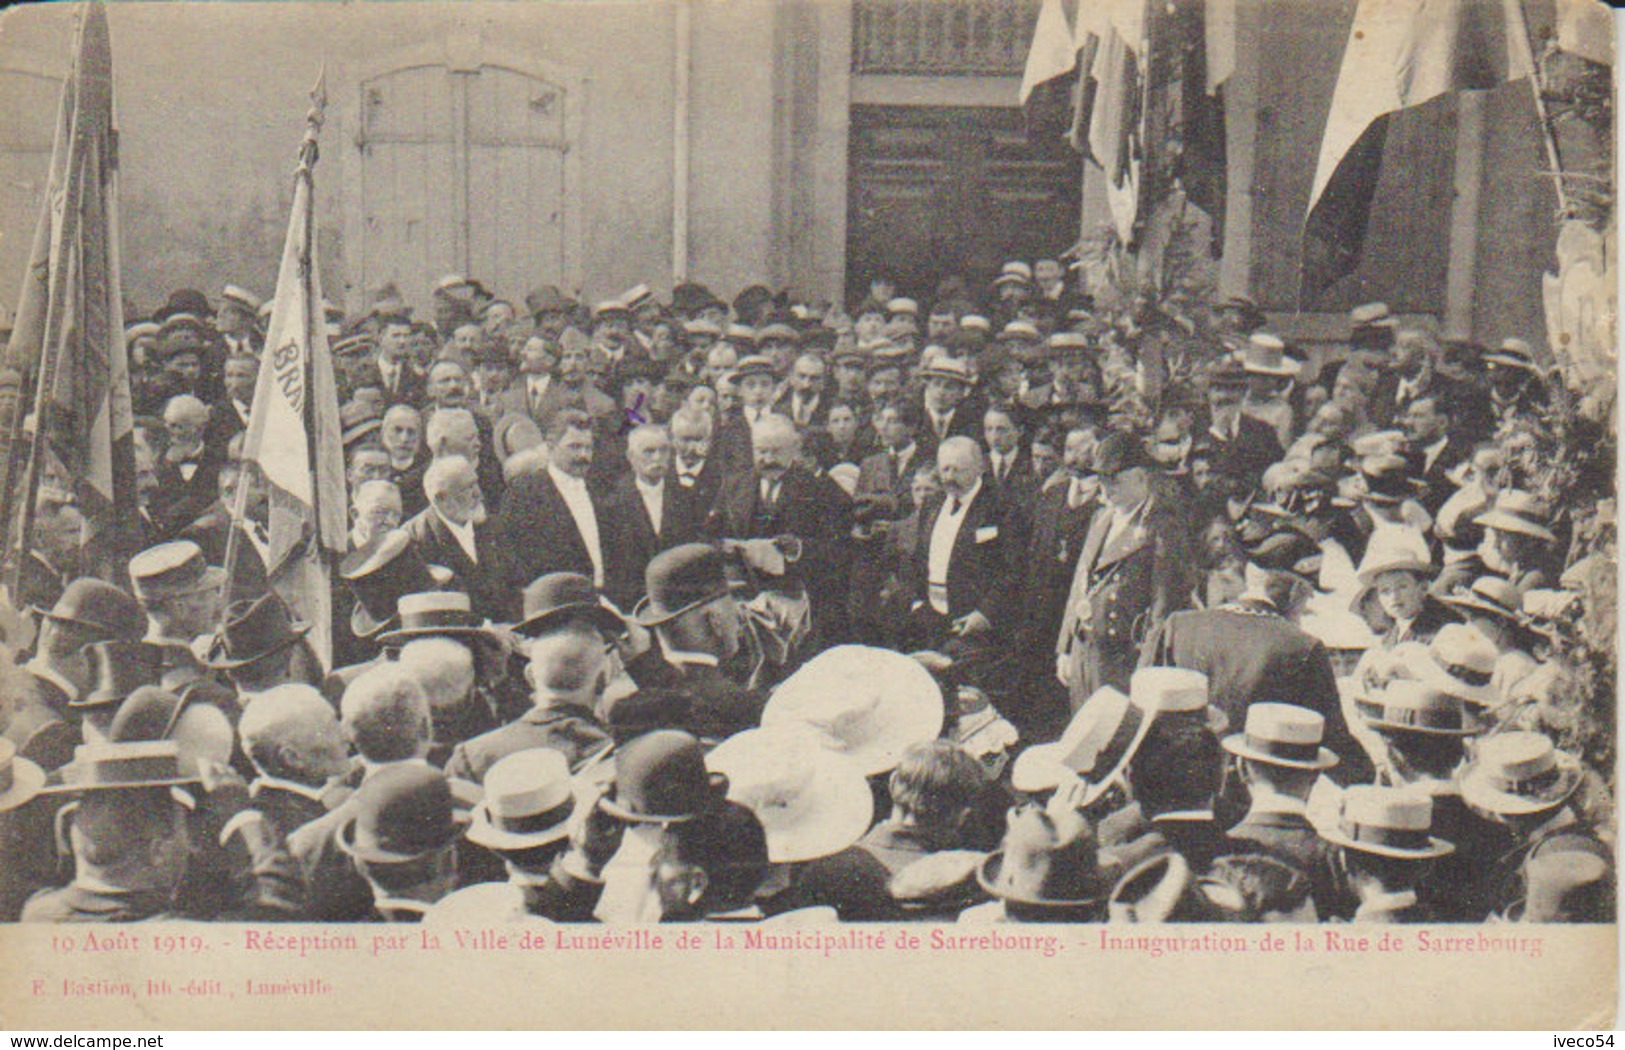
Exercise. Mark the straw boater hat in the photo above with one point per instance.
(903, 305)
(1514, 353)
(20, 779)
(1014, 272)
(1048, 865)
(1282, 735)
(1264, 354)
(247, 300)
(1407, 706)
(528, 802)
(950, 368)
(1521, 512)
(1519, 773)
(811, 801)
(119, 766)
(1462, 663)
(1493, 595)
(435, 614)
(1389, 822)
(1108, 729)
(868, 704)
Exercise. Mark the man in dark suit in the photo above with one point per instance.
(1009, 462)
(229, 415)
(1413, 371)
(188, 471)
(1253, 651)
(452, 532)
(568, 671)
(397, 376)
(948, 409)
(804, 401)
(1428, 424)
(696, 472)
(292, 737)
(781, 498)
(1133, 571)
(646, 512)
(882, 500)
(550, 521)
(698, 626)
(1238, 447)
(962, 579)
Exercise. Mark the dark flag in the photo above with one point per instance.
(292, 445)
(1398, 56)
(69, 334)
(1048, 81)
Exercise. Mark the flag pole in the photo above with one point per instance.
(1517, 20)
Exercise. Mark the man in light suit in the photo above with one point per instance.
(550, 521)
(1133, 571)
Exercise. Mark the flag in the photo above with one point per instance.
(1209, 60)
(1047, 81)
(1108, 118)
(292, 444)
(1400, 54)
(69, 333)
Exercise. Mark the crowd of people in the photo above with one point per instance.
(1004, 607)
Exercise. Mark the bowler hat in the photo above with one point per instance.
(1282, 735)
(184, 301)
(20, 779)
(690, 298)
(1048, 863)
(679, 579)
(254, 629)
(103, 610)
(117, 669)
(400, 813)
(171, 570)
(548, 299)
(557, 598)
(660, 778)
(1120, 451)
(1388, 822)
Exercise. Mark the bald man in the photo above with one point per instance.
(188, 472)
(781, 498)
(962, 578)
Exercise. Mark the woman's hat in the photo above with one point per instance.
(1108, 728)
(660, 778)
(1462, 663)
(1395, 549)
(1408, 706)
(811, 801)
(1282, 735)
(1522, 512)
(868, 704)
(20, 779)
(1048, 862)
(529, 799)
(400, 813)
(1489, 594)
(557, 598)
(1519, 772)
(254, 629)
(1389, 822)
(118, 669)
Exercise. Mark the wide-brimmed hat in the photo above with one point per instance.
(1514, 353)
(1048, 862)
(123, 765)
(1389, 822)
(1462, 663)
(1108, 728)
(399, 814)
(870, 705)
(21, 780)
(661, 778)
(1394, 549)
(1519, 772)
(380, 573)
(254, 629)
(117, 669)
(950, 368)
(435, 614)
(1408, 706)
(559, 597)
(1282, 735)
(104, 611)
(679, 580)
(1522, 512)
(529, 799)
(1494, 595)
(1264, 354)
(811, 801)
(171, 570)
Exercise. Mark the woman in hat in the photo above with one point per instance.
(1493, 608)
(1518, 540)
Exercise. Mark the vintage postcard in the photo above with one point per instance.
(808, 514)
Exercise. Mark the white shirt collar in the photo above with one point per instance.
(293, 787)
(679, 657)
(1268, 800)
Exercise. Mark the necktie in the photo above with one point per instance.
(953, 505)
